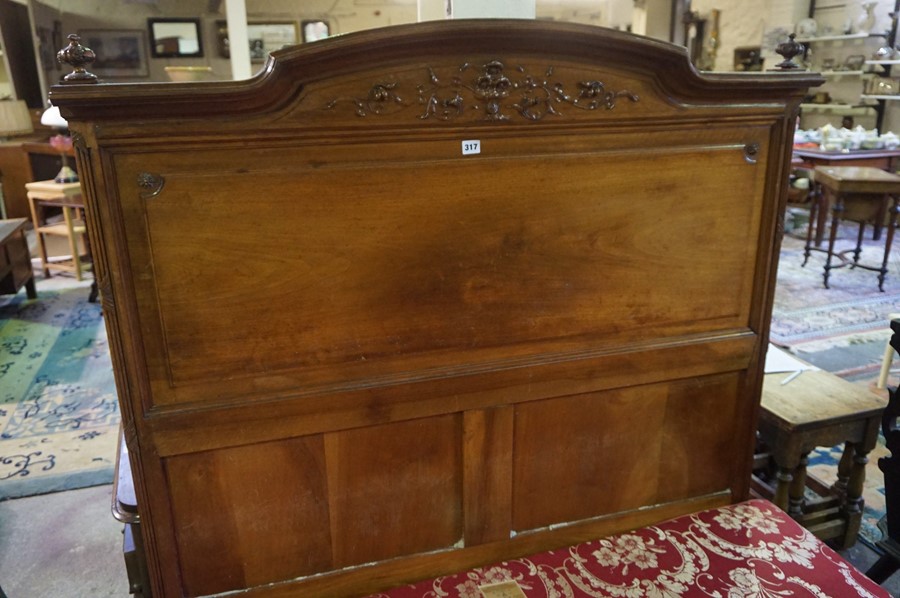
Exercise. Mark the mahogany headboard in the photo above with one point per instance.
(427, 297)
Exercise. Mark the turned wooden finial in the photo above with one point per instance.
(788, 50)
(78, 57)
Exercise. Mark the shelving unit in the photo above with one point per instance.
(842, 73)
(834, 38)
(850, 101)
(843, 109)
(879, 100)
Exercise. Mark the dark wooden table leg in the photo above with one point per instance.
(837, 210)
(30, 289)
(853, 501)
(844, 468)
(882, 274)
(812, 228)
(797, 489)
(822, 217)
(859, 241)
(783, 477)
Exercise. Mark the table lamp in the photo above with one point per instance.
(61, 143)
(14, 119)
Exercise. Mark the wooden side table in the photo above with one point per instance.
(820, 409)
(43, 195)
(15, 259)
(859, 194)
(883, 159)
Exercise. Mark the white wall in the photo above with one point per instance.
(344, 16)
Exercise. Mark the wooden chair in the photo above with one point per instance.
(888, 564)
(888, 358)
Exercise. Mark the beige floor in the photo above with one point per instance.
(65, 544)
(62, 544)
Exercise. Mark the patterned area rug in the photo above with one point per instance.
(808, 317)
(59, 413)
(842, 330)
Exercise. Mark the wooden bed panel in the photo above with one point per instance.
(288, 274)
(566, 471)
(496, 385)
(452, 481)
(309, 290)
(488, 441)
(704, 437)
(250, 515)
(395, 489)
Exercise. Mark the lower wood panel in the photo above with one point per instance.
(701, 451)
(274, 511)
(395, 489)
(488, 453)
(250, 515)
(608, 452)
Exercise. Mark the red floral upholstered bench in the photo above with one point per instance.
(749, 549)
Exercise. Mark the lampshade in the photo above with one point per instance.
(52, 118)
(14, 118)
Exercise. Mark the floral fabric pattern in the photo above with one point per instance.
(748, 550)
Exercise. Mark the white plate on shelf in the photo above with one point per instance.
(806, 28)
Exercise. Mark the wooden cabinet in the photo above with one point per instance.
(433, 296)
(15, 171)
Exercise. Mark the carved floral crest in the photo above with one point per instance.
(491, 92)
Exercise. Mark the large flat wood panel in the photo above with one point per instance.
(395, 489)
(351, 278)
(602, 453)
(250, 515)
(583, 456)
(700, 437)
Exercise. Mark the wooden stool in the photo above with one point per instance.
(67, 197)
(859, 194)
(819, 409)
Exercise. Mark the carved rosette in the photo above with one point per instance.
(490, 93)
(151, 184)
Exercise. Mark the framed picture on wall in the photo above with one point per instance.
(175, 38)
(264, 38)
(120, 52)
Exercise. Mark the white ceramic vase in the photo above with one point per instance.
(866, 21)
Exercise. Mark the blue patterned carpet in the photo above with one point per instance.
(59, 414)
